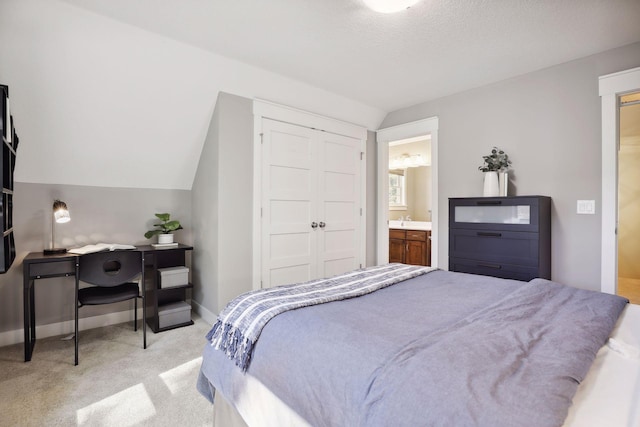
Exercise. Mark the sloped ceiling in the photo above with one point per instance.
(119, 93)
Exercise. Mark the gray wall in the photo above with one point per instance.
(372, 197)
(549, 123)
(222, 197)
(98, 214)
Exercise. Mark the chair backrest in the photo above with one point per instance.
(110, 268)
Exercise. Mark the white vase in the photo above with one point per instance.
(491, 185)
(503, 177)
(165, 238)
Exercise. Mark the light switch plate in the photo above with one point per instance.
(587, 207)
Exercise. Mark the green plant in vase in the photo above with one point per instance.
(495, 168)
(497, 161)
(164, 228)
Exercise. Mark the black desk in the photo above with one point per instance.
(36, 265)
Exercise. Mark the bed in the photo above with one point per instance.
(434, 348)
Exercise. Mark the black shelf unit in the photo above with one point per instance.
(10, 142)
(507, 237)
(155, 295)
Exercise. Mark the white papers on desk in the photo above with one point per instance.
(99, 247)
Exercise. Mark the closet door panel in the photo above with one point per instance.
(339, 204)
(289, 203)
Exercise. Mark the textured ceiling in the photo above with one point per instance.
(389, 61)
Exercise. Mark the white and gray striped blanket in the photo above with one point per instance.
(240, 323)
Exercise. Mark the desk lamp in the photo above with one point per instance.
(60, 216)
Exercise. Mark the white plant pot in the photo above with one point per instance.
(504, 183)
(165, 238)
(491, 185)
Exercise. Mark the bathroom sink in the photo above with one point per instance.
(410, 225)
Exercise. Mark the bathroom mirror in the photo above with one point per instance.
(410, 180)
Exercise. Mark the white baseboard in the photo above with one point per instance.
(66, 327)
(205, 314)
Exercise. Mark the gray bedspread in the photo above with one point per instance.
(442, 349)
(241, 322)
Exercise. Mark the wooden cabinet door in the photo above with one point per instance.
(416, 253)
(396, 250)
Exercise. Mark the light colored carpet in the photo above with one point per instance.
(116, 383)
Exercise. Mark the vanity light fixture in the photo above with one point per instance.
(407, 161)
(60, 216)
(389, 6)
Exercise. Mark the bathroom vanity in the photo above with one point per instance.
(410, 242)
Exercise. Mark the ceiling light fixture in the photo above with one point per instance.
(390, 6)
(407, 161)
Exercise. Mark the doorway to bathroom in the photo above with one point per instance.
(406, 190)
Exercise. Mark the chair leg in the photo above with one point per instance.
(75, 322)
(135, 314)
(144, 322)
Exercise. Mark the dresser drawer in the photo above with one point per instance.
(505, 271)
(49, 268)
(520, 213)
(501, 247)
(417, 235)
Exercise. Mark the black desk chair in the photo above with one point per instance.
(111, 274)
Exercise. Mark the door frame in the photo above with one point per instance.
(269, 110)
(611, 86)
(418, 128)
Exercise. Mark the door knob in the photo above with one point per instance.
(314, 225)
(322, 224)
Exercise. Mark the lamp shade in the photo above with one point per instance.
(60, 216)
(61, 212)
(389, 6)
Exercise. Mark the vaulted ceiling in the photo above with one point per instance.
(126, 89)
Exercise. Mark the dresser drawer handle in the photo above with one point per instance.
(487, 234)
(496, 266)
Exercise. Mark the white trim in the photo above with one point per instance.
(610, 86)
(257, 198)
(405, 131)
(66, 327)
(363, 201)
(620, 82)
(270, 110)
(266, 109)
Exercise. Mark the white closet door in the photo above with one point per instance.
(289, 204)
(339, 171)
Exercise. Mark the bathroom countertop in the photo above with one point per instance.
(410, 225)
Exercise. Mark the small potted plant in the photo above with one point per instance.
(495, 169)
(165, 228)
(497, 161)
